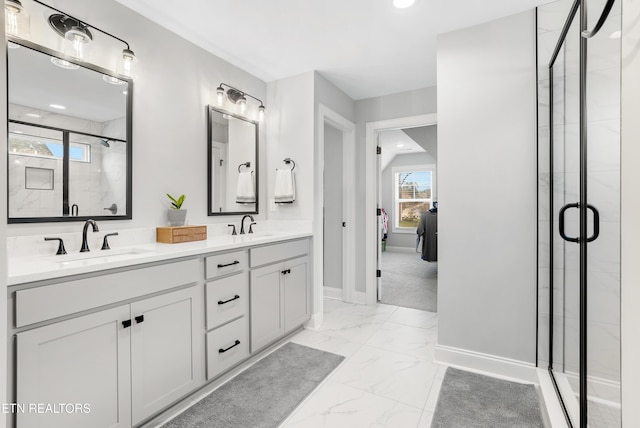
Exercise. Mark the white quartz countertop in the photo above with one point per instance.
(29, 269)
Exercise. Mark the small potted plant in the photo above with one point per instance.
(176, 214)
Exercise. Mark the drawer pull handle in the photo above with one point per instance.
(221, 302)
(229, 264)
(126, 323)
(222, 351)
(286, 271)
(139, 319)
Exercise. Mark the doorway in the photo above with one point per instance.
(373, 227)
(408, 200)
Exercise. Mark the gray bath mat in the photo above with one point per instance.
(472, 400)
(263, 395)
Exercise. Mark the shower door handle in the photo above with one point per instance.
(563, 210)
(603, 17)
(596, 223)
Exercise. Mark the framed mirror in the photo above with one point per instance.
(69, 139)
(232, 163)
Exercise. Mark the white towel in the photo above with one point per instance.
(285, 191)
(246, 192)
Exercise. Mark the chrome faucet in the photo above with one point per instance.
(94, 225)
(242, 223)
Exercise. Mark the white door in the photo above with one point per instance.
(165, 351)
(83, 361)
(379, 222)
(218, 176)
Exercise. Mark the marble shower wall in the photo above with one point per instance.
(603, 165)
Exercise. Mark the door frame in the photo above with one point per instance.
(348, 129)
(372, 186)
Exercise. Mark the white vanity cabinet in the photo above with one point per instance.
(125, 363)
(279, 291)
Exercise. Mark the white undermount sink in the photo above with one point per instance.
(99, 256)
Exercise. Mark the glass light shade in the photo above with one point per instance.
(128, 58)
(112, 80)
(16, 19)
(64, 64)
(261, 110)
(79, 43)
(242, 104)
(220, 95)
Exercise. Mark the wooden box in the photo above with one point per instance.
(176, 234)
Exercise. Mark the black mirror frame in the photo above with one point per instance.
(129, 130)
(210, 212)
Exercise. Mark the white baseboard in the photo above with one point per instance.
(504, 368)
(403, 250)
(551, 408)
(600, 390)
(332, 293)
(315, 321)
(360, 297)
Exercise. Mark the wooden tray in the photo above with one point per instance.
(177, 234)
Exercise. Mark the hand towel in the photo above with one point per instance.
(245, 193)
(285, 191)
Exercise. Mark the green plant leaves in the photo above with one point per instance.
(176, 203)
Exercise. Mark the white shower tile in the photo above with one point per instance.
(603, 351)
(603, 191)
(603, 145)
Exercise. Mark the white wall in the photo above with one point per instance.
(3, 224)
(333, 206)
(290, 133)
(406, 240)
(630, 273)
(487, 188)
(403, 104)
(174, 80)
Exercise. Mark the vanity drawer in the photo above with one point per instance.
(227, 298)
(277, 252)
(224, 264)
(227, 346)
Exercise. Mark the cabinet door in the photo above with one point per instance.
(296, 294)
(266, 306)
(166, 346)
(82, 360)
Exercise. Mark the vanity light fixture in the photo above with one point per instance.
(239, 98)
(77, 33)
(112, 80)
(402, 4)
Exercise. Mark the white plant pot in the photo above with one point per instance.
(176, 217)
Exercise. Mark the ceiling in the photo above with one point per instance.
(398, 142)
(367, 48)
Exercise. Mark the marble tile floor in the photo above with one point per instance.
(388, 378)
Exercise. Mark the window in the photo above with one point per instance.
(30, 145)
(414, 192)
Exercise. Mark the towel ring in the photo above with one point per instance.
(288, 161)
(247, 164)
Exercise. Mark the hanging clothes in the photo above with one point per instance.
(385, 224)
(428, 234)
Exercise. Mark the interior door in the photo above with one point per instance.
(379, 222)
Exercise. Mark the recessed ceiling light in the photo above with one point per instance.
(402, 4)
(615, 35)
(58, 106)
(18, 132)
(33, 115)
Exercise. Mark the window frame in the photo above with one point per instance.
(395, 171)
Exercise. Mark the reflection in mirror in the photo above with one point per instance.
(69, 126)
(233, 164)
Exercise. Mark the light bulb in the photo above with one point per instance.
(401, 4)
(220, 95)
(128, 58)
(12, 9)
(80, 40)
(261, 113)
(242, 103)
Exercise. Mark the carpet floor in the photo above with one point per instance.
(263, 395)
(472, 400)
(409, 281)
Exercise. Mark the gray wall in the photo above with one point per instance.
(403, 104)
(333, 216)
(3, 222)
(487, 188)
(406, 240)
(173, 82)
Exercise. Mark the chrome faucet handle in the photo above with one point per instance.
(233, 232)
(251, 227)
(105, 242)
(61, 249)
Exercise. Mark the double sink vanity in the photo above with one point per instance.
(121, 335)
